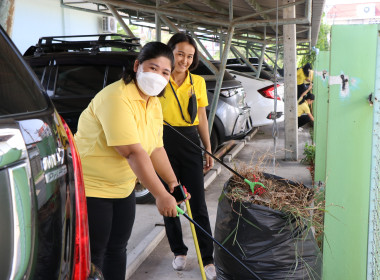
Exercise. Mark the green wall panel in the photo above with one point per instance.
(320, 109)
(348, 153)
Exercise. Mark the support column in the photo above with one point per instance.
(290, 81)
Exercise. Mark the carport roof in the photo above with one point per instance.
(254, 20)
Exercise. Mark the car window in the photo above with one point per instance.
(114, 74)
(79, 80)
(19, 92)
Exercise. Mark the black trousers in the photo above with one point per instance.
(110, 225)
(187, 164)
(303, 119)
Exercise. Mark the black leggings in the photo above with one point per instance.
(303, 119)
(187, 163)
(110, 225)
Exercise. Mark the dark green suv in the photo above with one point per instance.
(43, 212)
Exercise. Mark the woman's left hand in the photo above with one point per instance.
(209, 163)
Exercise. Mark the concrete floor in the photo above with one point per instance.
(155, 263)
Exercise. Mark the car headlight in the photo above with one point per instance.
(228, 92)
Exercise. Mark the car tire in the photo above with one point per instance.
(143, 196)
(214, 141)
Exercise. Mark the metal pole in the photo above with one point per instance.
(201, 45)
(219, 79)
(120, 20)
(246, 61)
(158, 23)
(262, 55)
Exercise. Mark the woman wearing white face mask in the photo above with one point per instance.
(119, 138)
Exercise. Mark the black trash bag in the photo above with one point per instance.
(267, 241)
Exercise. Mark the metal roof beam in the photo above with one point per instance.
(177, 13)
(174, 3)
(246, 61)
(220, 76)
(201, 45)
(214, 6)
(259, 9)
(201, 56)
(180, 13)
(269, 10)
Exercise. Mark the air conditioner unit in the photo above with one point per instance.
(366, 10)
(109, 25)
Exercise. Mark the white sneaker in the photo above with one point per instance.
(210, 271)
(179, 262)
(300, 129)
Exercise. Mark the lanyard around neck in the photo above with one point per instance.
(176, 97)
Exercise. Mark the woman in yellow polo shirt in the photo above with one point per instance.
(120, 137)
(304, 114)
(304, 76)
(186, 160)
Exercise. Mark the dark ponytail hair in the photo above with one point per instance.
(307, 96)
(149, 51)
(306, 69)
(183, 37)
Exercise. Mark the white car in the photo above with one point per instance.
(260, 97)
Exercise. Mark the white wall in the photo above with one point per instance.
(38, 18)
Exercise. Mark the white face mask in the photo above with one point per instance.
(150, 83)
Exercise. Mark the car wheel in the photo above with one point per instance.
(143, 195)
(214, 141)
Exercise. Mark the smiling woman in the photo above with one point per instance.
(184, 108)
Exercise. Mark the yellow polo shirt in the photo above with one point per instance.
(300, 76)
(116, 116)
(170, 107)
(303, 109)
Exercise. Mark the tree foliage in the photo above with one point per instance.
(323, 44)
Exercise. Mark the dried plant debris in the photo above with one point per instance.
(295, 200)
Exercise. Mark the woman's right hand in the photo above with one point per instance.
(166, 205)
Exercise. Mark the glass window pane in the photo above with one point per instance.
(114, 74)
(79, 80)
(19, 92)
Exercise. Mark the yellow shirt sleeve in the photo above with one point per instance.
(201, 88)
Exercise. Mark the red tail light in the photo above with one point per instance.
(82, 261)
(268, 92)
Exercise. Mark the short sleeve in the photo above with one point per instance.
(202, 101)
(117, 118)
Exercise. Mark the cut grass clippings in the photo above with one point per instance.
(304, 204)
